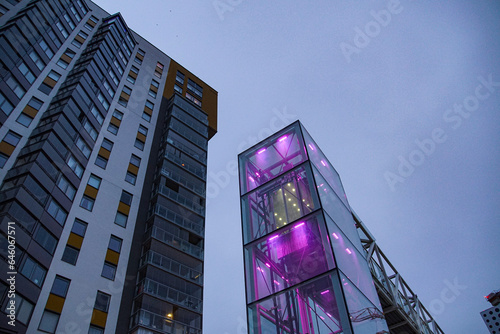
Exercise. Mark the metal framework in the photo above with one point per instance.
(402, 309)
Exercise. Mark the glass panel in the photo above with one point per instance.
(323, 165)
(288, 257)
(280, 202)
(273, 157)
(352, 263)
(337, 210)
(310, 308)
(365, 318)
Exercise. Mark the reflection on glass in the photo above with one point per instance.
(278, 203)
(273, 157)
(287, 257)
(365, 318)
(352, 263)
(323, 165)
(309, 308)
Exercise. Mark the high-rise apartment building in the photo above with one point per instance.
(491, 316)
(311, 266)
(103, 158)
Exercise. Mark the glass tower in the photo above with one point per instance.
(305, 266)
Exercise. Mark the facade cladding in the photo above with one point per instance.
(103, 168)
(310, 264)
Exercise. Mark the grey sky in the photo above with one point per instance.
(438, 222)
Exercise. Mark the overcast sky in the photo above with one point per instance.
(367, 91)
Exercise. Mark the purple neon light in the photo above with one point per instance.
(260, 269)
(335, 236)
(325, 292)
(262, 150)
(299, 225)
(277, 283)
(268, 265)
(323, 163)
(282, 138)
(272, 238)
(251, 179)
(258, 175)
(348, 251)
(311, 147)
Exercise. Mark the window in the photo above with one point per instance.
(118, 66)
(54, 38)
(135, 160)
(23, 309)
(33, 271)
(155, 83)
(73, 10)
(131, 79)
(178, 89)
(66, 58)
(36, 59)
(115, 244)
(108, 271)
(16, 87)
(130, 178)
(24, 119)
(146, 116)
(12, 138)
(82, 7)
(97, 114)
(95, 330)
(79, 227)
(69, 21)
(35, 103)
(152, 93)
(193, 99)
(127, 90)
(134, 69)
(3, 159)
(94, 181)
(126, 48)
(150, 104)
(102, 301)
(118, 115)
(54, 76)
(46, 240)
(143, 130)
(60, 286)
(122, 57)
(108, 88)
(113, 128)
(26, 72)
(66, 187)
(101, 162)
(159, 69)
(126, 198)
(80, 143)
(61, 28)
(70, 255)
(139, 144)
(75, 166)
(138, 60)
(141, 52)
(49, 321)
(5, 105)
(113, 76)
(121, 219)
(55, 210)
(103, 101)
(46, 48)
(87, 203)
(180, 78)
(90, 129)
(107, 144)
(77, 43)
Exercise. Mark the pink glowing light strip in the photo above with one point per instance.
(323, 163)
(311, 147)
(282, 138)
(335, 236)
(276, 282)
(261, 150)
(260, 269)
(251, 179)
(325, 292)
(268, 265)
(272, 238)
(348, 251)
(299, 225)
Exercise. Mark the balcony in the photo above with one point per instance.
(172, 266)
(176, 197)
(159, 323)
(170, 294)
(190, 109)
(190, 225)
(189, 151)
(203, 130)
(200, 172)
(185, 182)
(178, 128)
(174, 241)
